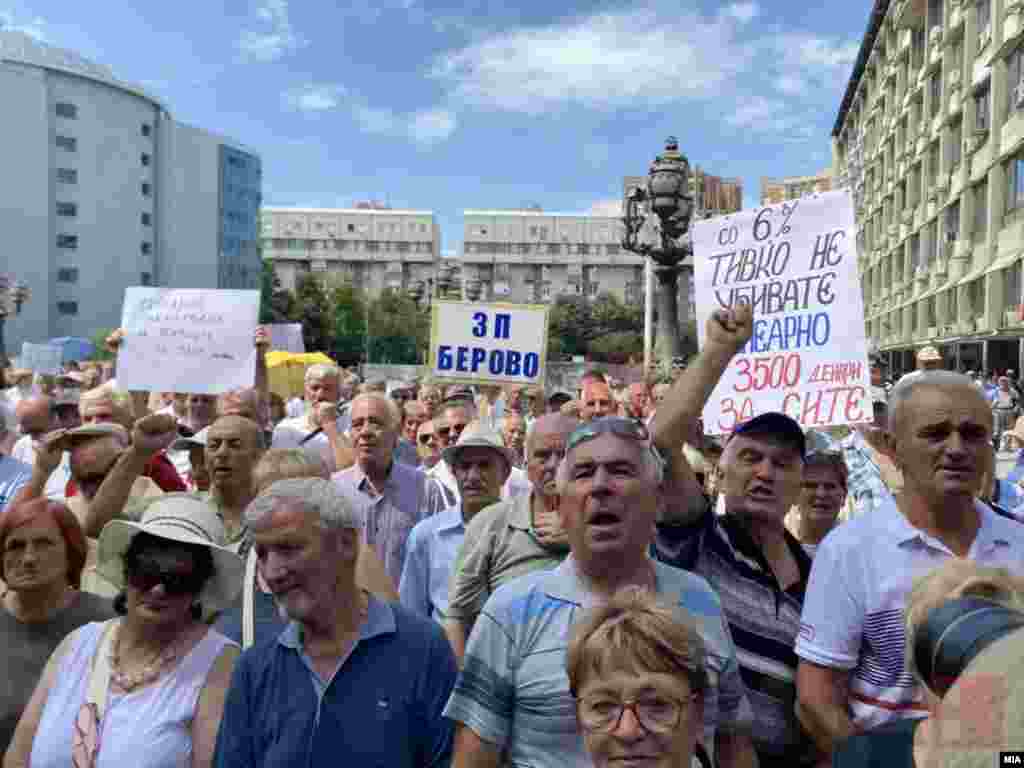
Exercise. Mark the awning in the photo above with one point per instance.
(1003, 262)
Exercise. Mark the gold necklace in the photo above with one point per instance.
(150, 672)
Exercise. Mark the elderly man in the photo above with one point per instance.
(393, 495)
(513, 538)
(513, 432)
(321, 430)
(852, 673)
(15, 475)
(37, 416)
(352, 680)
(639, 400)
(481, 464)
(928, 359)
(874, 480)
(427, 446)
(233, 446)
(757, 567)
(512, 702)
(596, 400)
(413, 414)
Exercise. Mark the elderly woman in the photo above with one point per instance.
(43, 554)
(822, 496)
(908, 742)
(145, 690)
(637, 671)
(255, 617)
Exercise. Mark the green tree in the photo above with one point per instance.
(276, 304)
(99, 343)
(399, 331)
(313, 312)
(617, 347)
(348, 322)
(568, 320)
(577, 326)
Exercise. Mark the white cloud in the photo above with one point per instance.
(423, 127)
(743, 12)
(272, 36)
(791, 85)
(313, 97)
(603, 61)
(35, 28)
(755, 112)
(606, 208)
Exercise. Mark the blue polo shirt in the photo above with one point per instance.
(383, 707)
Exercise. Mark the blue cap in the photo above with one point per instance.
(775, 423)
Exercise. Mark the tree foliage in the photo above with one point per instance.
(399, 331)
(604, 329)
(347, 323)
(313, 312)
(276, 304)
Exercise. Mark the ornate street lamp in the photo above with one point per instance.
(12, 296)
(666, 196)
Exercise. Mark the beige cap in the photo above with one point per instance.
(928, 355)
(478, 435)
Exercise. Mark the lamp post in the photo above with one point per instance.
(666, 196)
(12, 295)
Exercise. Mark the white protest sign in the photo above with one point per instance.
(796, 264)
(488, 343)
(286, 337)
(41, 358)
(188, 340)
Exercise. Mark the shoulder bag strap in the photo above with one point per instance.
(99, 679)
(249, 588)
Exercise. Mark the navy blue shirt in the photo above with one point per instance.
(383, 707)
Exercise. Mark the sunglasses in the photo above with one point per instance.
(426, 439)
(144, 575)
(616, 425)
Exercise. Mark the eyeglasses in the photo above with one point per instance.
(616, 425)
(656, 714)
(144, 575)
(426, 439)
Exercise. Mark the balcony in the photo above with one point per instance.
(1011, 317)
(933, 331)
(980, 324)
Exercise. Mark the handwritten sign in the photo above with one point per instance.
(796, 264)
(287, 337)
(488, 343)
(188, 340)
(41, 358)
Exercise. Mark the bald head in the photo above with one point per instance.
(36, 416)
(545, 448)
(233, 446)
(550, 424)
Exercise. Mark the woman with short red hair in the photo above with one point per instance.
(42, 555)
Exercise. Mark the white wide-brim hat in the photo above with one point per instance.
(179, 518)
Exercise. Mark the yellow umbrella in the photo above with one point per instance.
(286, 371)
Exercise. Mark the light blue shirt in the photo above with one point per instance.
(14, 475)
(429, 559)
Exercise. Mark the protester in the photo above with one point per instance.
(415, 415)
(638, 671)
(42, 554)
(32, 413)
(1006, 407)
(874, 479)
(392, 496)
(197, 476)
(490, 406)
(822, 496)
(430, 397)
(639, 400)
(513, 432)
(481, 463)
(757, 567)
(427, 446)
(513, 698)
(277, 410)
(351, 680)
(513, 538)
(658, 393)
(928, 359)
(233, 446)
(321, 429)
(557, 401)
(596, 400)
(153, 682)
(452, 417)
(905, 741)
(851, 674)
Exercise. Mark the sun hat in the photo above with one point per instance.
(928, 355)
(75, 436)
(178, 517)
(478, 435)
(186, 442)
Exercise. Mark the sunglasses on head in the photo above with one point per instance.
(144, 575)
(616, 425)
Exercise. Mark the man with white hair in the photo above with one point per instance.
(852, 674)
(351, 680)
(321, 430)
(37, 416)
(394, 496)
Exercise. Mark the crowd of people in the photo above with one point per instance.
(402, 573)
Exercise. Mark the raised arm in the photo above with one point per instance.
(48, 456)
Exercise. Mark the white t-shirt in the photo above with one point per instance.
(853, 610)
(57, 484)
(290, 433)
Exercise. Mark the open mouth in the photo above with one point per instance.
(604, 520)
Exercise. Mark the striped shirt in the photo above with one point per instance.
(853, 613)
(763, 618)
(514, 691)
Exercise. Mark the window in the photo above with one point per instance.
(67, 241)
(984, 11)
(953, 305)
(67, 175)
(554, 249)
(915, 252)
(933, 161)
(917, 48)
(146, 278)
(67, 307)
(981, 109)
(934, 14)
(934, 244)
(613, 250)
(951, 223)
(1015, 83)
(67, 275)
(64, 109)
(68, 143)
(147, 129)
(1015, 177)
(1012, 286)
(146, 248)
(147, 189)
(980, 211)
(145, 159)
(351, 228)
(955, 146)
(67, 209)
(584, 249)
(147, 219)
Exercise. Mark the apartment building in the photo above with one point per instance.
(373, 247)
(930, 138)
(793, 187)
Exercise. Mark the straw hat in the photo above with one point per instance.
(478, 435)
(182, 518)
(928, 355)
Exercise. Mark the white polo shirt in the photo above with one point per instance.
(853, 610)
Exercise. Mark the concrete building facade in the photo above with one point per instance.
(792, 187)
(930, 138)
(103, 190)
(371, 247)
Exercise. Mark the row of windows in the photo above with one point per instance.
(70, 243)
(69, 275)
(70, 111)
(70, 210)
(554, 249)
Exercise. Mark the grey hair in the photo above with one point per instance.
(394, 415)
(335, 510)
(908, 386)
(653, 466)
(322, 371)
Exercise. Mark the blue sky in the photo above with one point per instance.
(442, 105)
